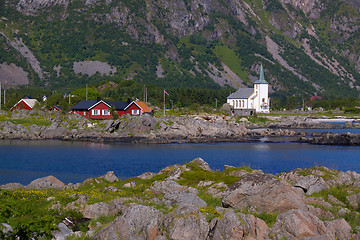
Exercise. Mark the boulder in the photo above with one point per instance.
(110, 176)
(201, 163)
(263, 192)
(181, 197)
(137, 222)
(299, 224)
(187, 222)
(166, 186)
(255, 227)
(354, 201)
(46, 182)
(96, 210)
(229, 227)
(5, 229)
(62, 233)
(311, 184)
(339, 229)
(147, 175)
(12, 186)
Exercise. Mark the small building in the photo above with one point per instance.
(145, 109)
(25, 103)
(100, 109)
(248, 101)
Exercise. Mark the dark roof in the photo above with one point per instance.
(242, 93)
(119, 105)
(84, 104)
(87, 104)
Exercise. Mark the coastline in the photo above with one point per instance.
(190, 200)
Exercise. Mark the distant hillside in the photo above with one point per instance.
(307, 47)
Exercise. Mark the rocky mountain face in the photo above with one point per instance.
(307, 47)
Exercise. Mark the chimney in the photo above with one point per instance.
(98, 99)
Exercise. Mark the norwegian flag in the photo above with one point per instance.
(165, 92)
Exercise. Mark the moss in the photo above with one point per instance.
(197, 174)
(326, 174)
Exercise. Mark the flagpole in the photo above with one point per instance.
(164, 101)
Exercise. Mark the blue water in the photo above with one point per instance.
(332, 130)
(24, 161)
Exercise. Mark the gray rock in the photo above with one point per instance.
(201, 163)
(62, 233)
(354, 201)
(339, 229)
(130, 184)
(147, 175)
(110, 176)
(311, 184)
(46, 182)
(254, 227)
(96, 210)
(299, 224)
(187, 222)
(334, 201)
(6, 228)
(229, 227)
(318, 201)
(137, 222)
(166, 186)
(263, 192)
(181, 197)
(12, 186)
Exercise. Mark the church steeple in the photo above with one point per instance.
(262, 78)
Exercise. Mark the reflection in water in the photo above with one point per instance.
(23, 161)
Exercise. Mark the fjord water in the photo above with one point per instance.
(24, 161)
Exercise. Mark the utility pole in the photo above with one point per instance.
(4, 97)
(216, 103)
(86, 92)
(69, 97)
(0, 96)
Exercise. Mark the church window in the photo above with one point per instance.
(243, 103)
(263, 100)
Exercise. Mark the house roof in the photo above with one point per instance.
(119, 105)
(88, 104)
(145, 108)
(30, 102)
(241, 93)
(85, 104)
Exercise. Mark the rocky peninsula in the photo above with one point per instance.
(189, 201)
(43, 125)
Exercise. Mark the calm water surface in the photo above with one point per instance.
(24, 161)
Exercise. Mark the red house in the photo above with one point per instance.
(25, 103)
(99, 109)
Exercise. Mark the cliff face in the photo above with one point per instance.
(308, 47)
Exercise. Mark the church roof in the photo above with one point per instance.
(262, 78)
(242, 93)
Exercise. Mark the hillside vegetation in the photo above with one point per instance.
(307, 48)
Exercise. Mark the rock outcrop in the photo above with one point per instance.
(255, 206)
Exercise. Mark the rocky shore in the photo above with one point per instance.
(165, 129)
(191, 201)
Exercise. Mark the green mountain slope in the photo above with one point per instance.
(307, 47)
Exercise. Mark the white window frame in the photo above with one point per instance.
(95, 112)
(135, 112)
(106, 112)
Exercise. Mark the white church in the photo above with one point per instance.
(248, 101)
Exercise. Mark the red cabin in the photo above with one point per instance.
(25, 103)
(94, 109)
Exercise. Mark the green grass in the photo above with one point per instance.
(25, 121)
(197, 174)
(229, 57)
(326, 174)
